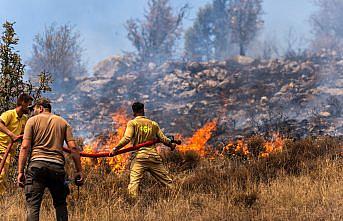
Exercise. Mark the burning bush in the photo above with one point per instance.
(297, 157)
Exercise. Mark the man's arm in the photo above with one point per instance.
(24, 150)
(25, 147)
(165, 140)
(129, 131)
(5, 130)
(75, 154)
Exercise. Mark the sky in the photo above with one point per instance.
(101, 22)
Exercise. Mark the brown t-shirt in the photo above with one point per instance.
(47, 133)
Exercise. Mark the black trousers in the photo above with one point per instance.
(41, 175)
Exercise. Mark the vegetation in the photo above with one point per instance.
(303, 182)
(327, 25)
(58, 51)
(155, 37)
(12, 72)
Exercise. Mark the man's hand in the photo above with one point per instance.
(114, 151)
(78, 179)
(14, 137)
(21, 180)
(172, 146)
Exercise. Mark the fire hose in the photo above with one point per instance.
(121, 151)
(94, 155)
(8, 150)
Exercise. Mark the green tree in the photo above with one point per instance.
(12, 72)
(209, 36)
(154, 38)
(199, 44)
(245, 18)
(221, 29)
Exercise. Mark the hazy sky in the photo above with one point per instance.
(100, 22)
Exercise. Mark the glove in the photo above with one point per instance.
(78, 180)
(114, 151)
(172, 146)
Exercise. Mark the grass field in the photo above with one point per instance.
(303, 182)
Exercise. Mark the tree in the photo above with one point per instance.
(12, 72)
(154, 38)
(246, 21)
(198, 38)
(221, 29)
(327, 24)
(58, 50)
(209, 36)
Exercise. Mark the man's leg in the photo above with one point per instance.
(159, 171)
(136, 175)
(34, 191)
(59, 191)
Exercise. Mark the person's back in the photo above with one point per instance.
(145, 130)
(48, 134)
(45, 134)
(140, 130)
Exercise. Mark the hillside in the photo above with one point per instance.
(300, 97)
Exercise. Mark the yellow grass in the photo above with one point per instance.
(217, 189)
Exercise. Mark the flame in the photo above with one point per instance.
(198, 141)
(240, 147)
(273, 146)
(101, 144)
(117, 164)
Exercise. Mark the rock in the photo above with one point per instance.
(233, 90)
(325, 114)
(244, 60)
(263, 101)
(194, 67)
(151, 66)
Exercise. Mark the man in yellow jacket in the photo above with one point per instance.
(12, 124)
(140, 130)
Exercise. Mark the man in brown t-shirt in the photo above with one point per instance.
(45, 134)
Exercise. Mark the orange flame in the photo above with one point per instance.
(118, 163)
(198, 141)
(268, 147)
(273, 146)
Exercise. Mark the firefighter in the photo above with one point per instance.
(140, 130)
(44, 135)
(12, 123)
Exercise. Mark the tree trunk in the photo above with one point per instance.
(241, 49)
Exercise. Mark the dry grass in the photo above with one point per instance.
(304, 182)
